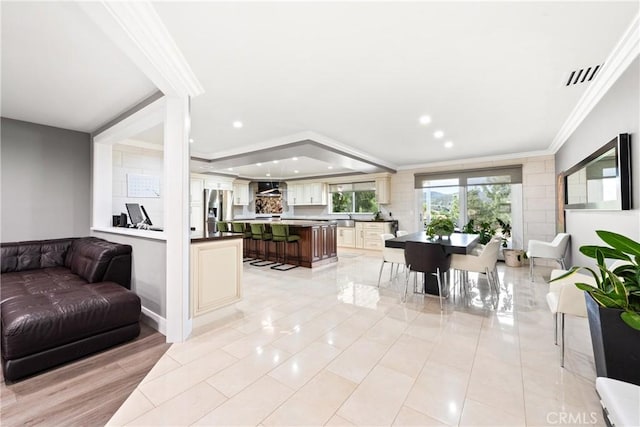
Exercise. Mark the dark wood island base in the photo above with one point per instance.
(317, 243)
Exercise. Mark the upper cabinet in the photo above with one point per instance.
(383, 190)
(306, 194)
(241, 193)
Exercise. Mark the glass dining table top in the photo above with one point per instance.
(457, 243)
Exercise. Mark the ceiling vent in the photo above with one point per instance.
(582, 75)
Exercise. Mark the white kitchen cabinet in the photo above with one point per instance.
(218, 184)
(368, 234)
(216, 275)
(294, 193)
(307, 194)
(241, 193)
(346, 237)
(383, 190)
(317, 193)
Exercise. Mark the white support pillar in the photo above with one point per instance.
(176, 195)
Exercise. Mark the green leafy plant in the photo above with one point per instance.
(485, 230)
(617, 286)
(440, 225)
(469, 228)
(505, 228)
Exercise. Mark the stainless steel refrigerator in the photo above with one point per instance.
(218, 206)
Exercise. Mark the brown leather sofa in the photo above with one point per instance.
(63, 299)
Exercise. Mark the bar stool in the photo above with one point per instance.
(281, 235)
(240, 227)
(222, 226)
(259, 234)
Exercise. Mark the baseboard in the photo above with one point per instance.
(154, 320)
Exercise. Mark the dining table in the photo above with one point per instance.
(456, 243)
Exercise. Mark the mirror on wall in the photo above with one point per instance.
(602, 180)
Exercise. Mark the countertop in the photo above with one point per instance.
(297, 220)
(292, 222)
(201, 236)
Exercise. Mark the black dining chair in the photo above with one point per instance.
(426, 258)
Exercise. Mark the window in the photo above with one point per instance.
(359, 197)
(481, 195)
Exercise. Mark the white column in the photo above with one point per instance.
(176, 189)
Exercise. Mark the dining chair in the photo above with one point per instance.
(565, 298)
(429, 259)
(554, 250)
(483, 263)
(390, 255)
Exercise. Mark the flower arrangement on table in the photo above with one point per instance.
(440, 225)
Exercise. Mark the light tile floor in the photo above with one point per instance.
(328, 347)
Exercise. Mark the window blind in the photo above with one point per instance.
(487, 176)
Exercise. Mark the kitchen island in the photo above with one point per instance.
(317, 241)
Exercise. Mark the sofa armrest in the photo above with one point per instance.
(89, 257)
(119, 271)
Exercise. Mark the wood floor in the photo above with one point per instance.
(82, 393)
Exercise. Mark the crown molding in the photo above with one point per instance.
(474, 160)
(625, 51)
(136, 28)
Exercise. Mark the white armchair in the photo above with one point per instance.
(565, 298)
(390, 255)
(554, 250)
(484, 263)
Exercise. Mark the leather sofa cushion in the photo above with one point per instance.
(42, 281)
(37, 316)
(35, 254)
(89, 257)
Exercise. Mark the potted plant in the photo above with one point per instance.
(512, 257)
(613, 306)
(440, 225)
(505, 229)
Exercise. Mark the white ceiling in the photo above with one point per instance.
(490, 74)
(58, 69)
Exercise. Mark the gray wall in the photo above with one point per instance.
(617, 112)
(46, 182)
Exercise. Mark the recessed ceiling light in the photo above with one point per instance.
(330, 167)
(190, 140)
(295, 171)
(268, 174)
(258, 164)
(275, 161)
(229, 169)
(438, 134)
(237, 124)
(448, 144)
(295, 158)
(425, 120)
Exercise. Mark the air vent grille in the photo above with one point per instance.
(582, 75)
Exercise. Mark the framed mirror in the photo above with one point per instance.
(602, 180)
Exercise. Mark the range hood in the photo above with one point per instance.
(268, 188)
